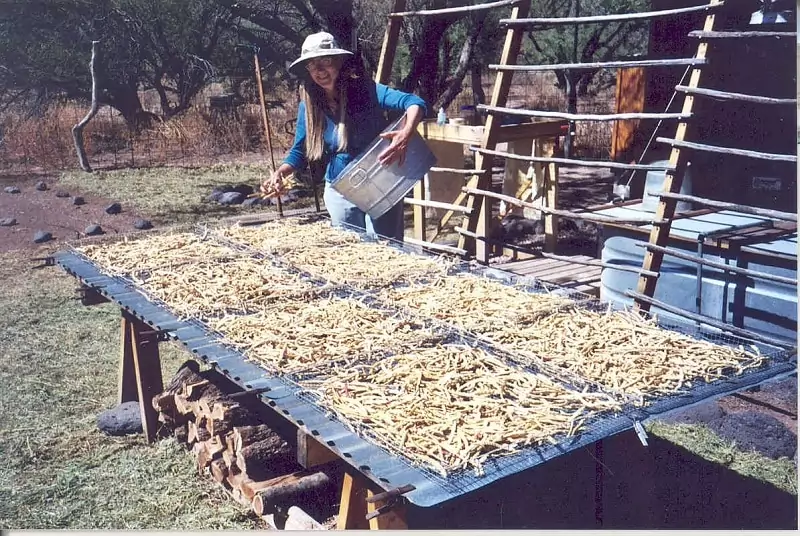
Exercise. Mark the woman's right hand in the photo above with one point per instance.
(274, 185)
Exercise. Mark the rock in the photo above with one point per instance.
(142, 224)
(253, 202)
(42, 236)
(751, 430)
(8, 222)
(122, 420)
(702, 413)
(219, 191)
(216, 193)
(41, 186)
(231, 198)
(114, 208)
(288, 197)
(11, 190)
(244, 189)
(78, 200)
(93, 230)
(62, 193)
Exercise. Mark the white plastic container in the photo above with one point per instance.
(655, 183)
(375, 188)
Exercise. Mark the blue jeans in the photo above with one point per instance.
(342, 211)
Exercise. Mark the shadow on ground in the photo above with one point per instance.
(654, 487)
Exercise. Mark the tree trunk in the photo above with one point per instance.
(266, 459)
(464, 61)
(77, 130)
(476, 77)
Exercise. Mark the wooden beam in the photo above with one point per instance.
(394, 519)
(727, 95)
(583, 117)
(353, 504)
(590, 66)
(673, 179)
(703, 147)
(454, 10)
(420, 221)
(440, 247)
(311, 453)
(389, 47)
(480, 219)
(739, 35)
(571, 161)
(721, 266)
(127, 370)
(622, 17)
(707, 320)
(436, 204)
(744, 209)
(147, 366)
(551, 226)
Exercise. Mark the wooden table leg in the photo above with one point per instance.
(127, 372)
(353, 505)
(140, 371)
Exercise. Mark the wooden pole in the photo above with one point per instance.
(265, 117)
(77, 130)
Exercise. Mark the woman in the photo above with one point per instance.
(339, 116)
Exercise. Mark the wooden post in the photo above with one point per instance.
(389, 47)
(480, 219)
(147, 372)
(551, 198)
(420, 221)
(659, 235)
(353, 504)
(265, 118)
(311, 453)
(127, 371)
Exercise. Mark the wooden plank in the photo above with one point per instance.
(740, 35)
(353, 504)
(727, 95)
(389, 47)
(566, 268)
(571, 161)
(551, 220)
(127, 371)
(311, 453)
(433, 204)
(704, 147)
(147, 364)
(659, 235)
(480, 220)
(735, 207)
(624, 116)
(474, 134)
(420, 223)
(620, 17)
(590, 66)
(438, 247)
(454, 10)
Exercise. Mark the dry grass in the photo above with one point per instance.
(58, 371)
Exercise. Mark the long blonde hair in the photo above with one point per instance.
(314, 97)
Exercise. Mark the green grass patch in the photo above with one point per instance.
(58, 369)
(174, 194)
(700, 440)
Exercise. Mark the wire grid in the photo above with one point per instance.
(593, 427)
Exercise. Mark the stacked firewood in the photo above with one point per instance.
(232, 445)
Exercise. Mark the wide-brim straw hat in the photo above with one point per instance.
(316, 45)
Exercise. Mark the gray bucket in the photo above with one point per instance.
(375, 188)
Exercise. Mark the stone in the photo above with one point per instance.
(244, 189)
(288, 197)
(751, 430)
(216, 193)
(62, 193)
(252, 202)
(41, 186)
(122, 420)
(11, 190)
(42, 236)
(8, 222)
(114, 208)
(93, 230)
(231, 198)
(701, 414)
(78, 200)
(142, 224)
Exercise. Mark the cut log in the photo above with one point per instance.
(193, 391)
(181, 432)
(219, 471)
(287, 490)
(247, 435)
(205, 454)
(187, 373)
(297, 519)
(184, 406)
(225, 416)
(196, 433)
(266, 459)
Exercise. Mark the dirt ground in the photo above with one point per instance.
(42, 211)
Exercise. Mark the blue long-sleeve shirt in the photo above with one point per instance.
(365, 102)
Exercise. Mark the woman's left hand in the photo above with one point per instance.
(397, 147)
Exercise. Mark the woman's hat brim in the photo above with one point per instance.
(297, 66)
